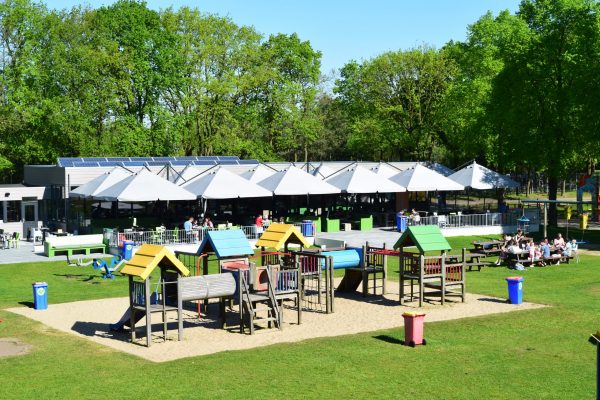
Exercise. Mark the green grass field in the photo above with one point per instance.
(535, 354)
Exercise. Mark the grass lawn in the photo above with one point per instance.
(535, 354)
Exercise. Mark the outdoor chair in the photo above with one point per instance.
(176, 235)
(14, 240)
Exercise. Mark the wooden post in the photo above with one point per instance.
(385, 259)
(131, 310)
(401, 268)
(164, 307)
(179, 309)
(443, 270)
(365, 276)
(147, 307)
(463, 275)
(331, 284)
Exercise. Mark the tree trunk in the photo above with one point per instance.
(552, 192)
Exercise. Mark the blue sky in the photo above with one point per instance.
(345, 30)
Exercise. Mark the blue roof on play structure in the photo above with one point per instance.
(228, 243)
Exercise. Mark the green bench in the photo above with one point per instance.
(330, 225)
(69, 244)
(364, 223)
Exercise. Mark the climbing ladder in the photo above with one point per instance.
(254, 305)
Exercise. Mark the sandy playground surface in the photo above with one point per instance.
(353, 314)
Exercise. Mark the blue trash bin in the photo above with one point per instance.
(40, 295)
(307, 228)
(127, 249)
(515, 289)
(401, 222)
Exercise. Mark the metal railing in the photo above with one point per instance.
(178, 236)
(471, 220)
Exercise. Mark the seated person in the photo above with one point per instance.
(519, 236)
(416, 217)
(513, 248)
(559, 242)
(545, 248)
(570, 247)
(188, 225)
(207, 223)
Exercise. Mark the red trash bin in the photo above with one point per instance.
(413, 328)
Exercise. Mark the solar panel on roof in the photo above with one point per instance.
(65, 163)
(163, 158)
(69, 159)
(134, 163)
(204, 162)
(141, 158)
(181, 163)
(187, 158)
(109, 164)
(248, 161)
(228, 162)
(117, 159)
(207, 158)
(94, 159)
(157, 163)
(228, 158)
(86, 164)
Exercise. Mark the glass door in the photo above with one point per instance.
(29, 211)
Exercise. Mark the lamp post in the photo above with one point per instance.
(595, 340)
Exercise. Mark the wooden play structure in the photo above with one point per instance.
(370, 273)
(139, 270)
(445, 274)
(261, 289)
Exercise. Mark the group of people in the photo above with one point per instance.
(192, 224)
(544, 252)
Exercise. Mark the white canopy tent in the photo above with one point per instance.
(294, 181)
(357, 179)
(144, 186)
(323, 171)
(479, 177)
(224, 184)
(439, 168)
(423, 179)
(259, 173)
(385, 170)
(100, 183)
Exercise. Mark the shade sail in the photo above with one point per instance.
(359, 179)
(385, 170)
(440, 168)
(257, 174)
(186, 175)
(100, 183)
(479, 177)
(144, 186)
(422, 179)
(294, 181)
(323, 171)
(224, 184)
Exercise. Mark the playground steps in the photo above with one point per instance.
(254, 306)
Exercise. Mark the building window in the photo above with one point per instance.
(13, 211)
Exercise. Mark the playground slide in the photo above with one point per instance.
(124, 321)
(351, 281)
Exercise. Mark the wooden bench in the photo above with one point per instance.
(69, 244)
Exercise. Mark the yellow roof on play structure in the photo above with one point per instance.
(278, 235)
(150, 256)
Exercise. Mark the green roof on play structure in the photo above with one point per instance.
(425, 237)
(227, 243)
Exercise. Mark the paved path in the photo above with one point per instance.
(375, 236)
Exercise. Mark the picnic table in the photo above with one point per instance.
(490, 247)
(474, 260)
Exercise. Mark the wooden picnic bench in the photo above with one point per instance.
(474, 260)
(491, 247)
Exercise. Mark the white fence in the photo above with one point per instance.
(176, 236)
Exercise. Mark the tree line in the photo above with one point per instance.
(519, 94)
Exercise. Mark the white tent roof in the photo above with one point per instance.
(423, 179)
(357, 179)
(323, 171)
(224, 184)
(294, 181)
(479, 177)
(257, 174)
(385, 170)
(187, 174)
(144, 186)
(98, 184)
(440, 168)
